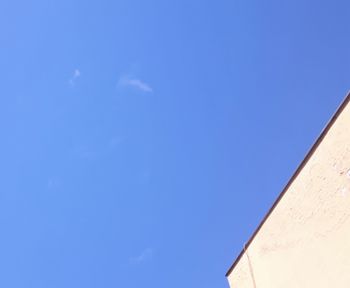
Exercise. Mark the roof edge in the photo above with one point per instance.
(294, 176)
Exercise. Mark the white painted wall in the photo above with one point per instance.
(305, 242)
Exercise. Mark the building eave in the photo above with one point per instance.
(294, 176)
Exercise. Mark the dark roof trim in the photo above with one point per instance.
(295, 175)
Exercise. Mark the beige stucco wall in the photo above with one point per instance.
(305, 242)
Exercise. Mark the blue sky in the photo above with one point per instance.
(143, 141)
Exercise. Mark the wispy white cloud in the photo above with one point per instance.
(135, 83)
(146, 255)
(53, 183)
(76, 74)
(115, 141)
(85, 152)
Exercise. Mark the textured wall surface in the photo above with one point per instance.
(305, 241)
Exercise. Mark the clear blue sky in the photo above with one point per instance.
(143, 141)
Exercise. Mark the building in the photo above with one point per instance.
(304, 240)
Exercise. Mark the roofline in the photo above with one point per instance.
(295, 175)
